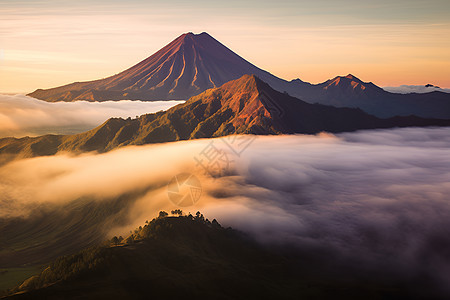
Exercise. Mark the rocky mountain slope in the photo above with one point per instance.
(243, 106)
(189, 65)
(193, 63)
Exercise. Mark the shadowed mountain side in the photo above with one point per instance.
(349, 91)
(55, 229)
(243, 106)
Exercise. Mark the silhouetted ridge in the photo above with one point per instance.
(190, 257)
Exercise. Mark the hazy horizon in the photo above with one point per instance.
(51, 43)
(21, 115)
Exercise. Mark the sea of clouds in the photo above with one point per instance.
(21, 115)
(376, 200)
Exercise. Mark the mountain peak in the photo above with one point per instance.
(347, 78)
(345, 81)
(352, 77)
(248, 84)
(250, 80)
(195, 35)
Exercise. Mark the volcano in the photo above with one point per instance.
(189, 65)
(193, 63)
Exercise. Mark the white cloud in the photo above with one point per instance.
(22, 115)
(372, 200)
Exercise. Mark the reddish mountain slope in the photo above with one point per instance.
(245, 105)
(189, 65)
(193, 63)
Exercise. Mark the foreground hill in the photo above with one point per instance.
(192, 258)
(193, 63)
(243, 106)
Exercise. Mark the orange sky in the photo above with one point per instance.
(56, 42)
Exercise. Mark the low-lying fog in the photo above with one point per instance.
(378, 200)
(21, 115)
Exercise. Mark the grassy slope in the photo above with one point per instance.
(191, 258)
(11, 277)
(28, 243)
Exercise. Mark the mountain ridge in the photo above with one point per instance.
(186, 256)
(247, 105)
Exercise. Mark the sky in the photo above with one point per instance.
(47, 43)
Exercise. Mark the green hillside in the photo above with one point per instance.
(189, 257)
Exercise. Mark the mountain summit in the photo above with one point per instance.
(189, 65)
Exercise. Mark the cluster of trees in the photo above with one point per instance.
(149, 228)
(95, 259)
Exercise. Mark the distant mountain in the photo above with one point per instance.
(349, 91)
(193, 63)
(419, 89)
(243, 106)
(189, 65)
(431, 85)
(341, 91)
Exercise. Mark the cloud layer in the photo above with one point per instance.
(420, 89)
(22, 115)
(372, 200)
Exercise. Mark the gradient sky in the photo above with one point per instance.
(46, 43)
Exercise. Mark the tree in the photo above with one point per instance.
(215, 223)
(177, 212)
(115, 241)
(199, 217)
(163, 214)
